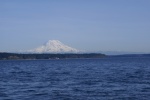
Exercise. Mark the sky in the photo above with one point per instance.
(91, 25)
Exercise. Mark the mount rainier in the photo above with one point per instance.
(54, 46)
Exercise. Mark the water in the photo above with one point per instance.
(111, 78)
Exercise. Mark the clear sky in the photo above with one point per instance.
(92, 25)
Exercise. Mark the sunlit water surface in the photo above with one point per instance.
(112, 78)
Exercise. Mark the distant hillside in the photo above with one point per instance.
(7, 56)
(133, 55)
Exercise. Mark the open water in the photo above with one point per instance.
(112, 78)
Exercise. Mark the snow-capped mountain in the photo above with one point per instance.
(54, 46)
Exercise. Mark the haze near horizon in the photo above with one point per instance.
(91, 25)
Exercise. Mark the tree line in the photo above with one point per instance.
(5, 56)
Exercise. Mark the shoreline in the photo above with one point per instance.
(16, 56)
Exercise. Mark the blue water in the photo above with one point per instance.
(111, 78)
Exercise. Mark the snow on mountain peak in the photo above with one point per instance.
(54, 46)
(53, 42)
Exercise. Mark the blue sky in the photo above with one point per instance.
(92, 25)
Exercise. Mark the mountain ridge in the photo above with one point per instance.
(53, 46)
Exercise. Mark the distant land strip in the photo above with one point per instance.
(15, 56)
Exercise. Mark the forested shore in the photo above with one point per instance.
(9, 56)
